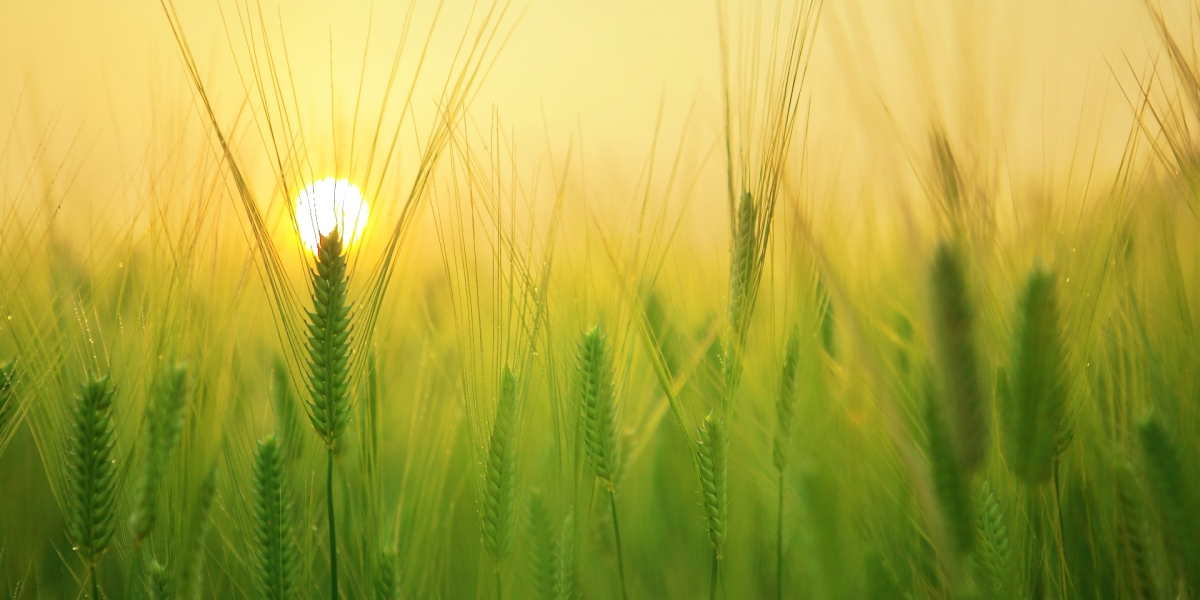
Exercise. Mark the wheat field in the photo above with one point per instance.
(895, 303)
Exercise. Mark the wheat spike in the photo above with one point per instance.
(8, 404)
(329, 330)
(387, 583)
(742, 263)
(598, 406)
(91, 471)
(277, 552)
(1035, 397)
(500, 482)
(954, 344)
(785, 402)
(157, 582)
(1173, 486)
(950, 481)
(164, 423)
(1132, 533)
(545, 560)
(714, 443)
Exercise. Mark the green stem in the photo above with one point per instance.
(95, 584)
(612, 494)
(333, 585)
(499, 584)
(779, 543)
(712, 581)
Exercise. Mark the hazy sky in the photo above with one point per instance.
(1022, 78)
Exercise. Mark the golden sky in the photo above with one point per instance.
(1020, 78)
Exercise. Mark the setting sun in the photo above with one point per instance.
(328, 203)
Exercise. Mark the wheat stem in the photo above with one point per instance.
(612, 496)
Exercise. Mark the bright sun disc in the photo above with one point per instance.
(329, 203)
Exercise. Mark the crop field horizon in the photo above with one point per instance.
(806, 299)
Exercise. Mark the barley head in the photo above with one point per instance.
(1035, 396)
(329, 329)
(785, 403)
(275, 543)
(8, 404)
(164, 423)
(91, 470)
(1173, 486)
(545, 560)
(387, 582)
(157, 582)
(712, 452)
(954, 344)
(500, 482)
(742, 264)
(598, 408)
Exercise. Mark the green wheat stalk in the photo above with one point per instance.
(157, 583)
(785, 407)
(994, 552)
(329, 328)
(1034, 400)
(545, 560)
(743, 261)
(164, 424)
(91, 475)
(712, 460)
(1132, 532)
(500, 482)
(198, 531)
(950, 480)
(275, 541)
(8, 404)
(1173, 486)
(598, 412)
(387, 581)
(954, 344)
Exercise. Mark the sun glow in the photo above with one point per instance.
(329, 203)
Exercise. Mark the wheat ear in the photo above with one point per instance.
(8, 405)
(500, 482)
(91, 474)
(954, 344)
(711, 460)
(544, 564)
(598, 411)
(275, 543)
(1173, 486)
(329, 329)
(164, 423)
(1035, 396)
